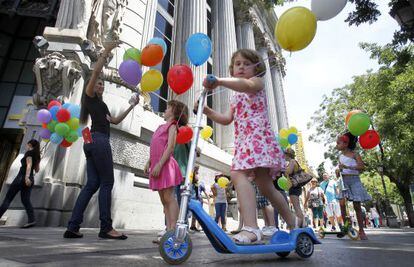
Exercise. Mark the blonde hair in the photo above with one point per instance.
(253, 56)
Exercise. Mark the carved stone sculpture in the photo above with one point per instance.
(55, 76)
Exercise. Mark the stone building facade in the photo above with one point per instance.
(74, 38)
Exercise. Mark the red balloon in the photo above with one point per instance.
(65, 143)
(44, 125)
(151, 55)
(54, 103)
(63, 115)
(184, 135)
(180, 78)
(369, 139)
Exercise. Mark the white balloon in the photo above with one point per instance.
(327, 9)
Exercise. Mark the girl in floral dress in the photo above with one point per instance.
(257, 153)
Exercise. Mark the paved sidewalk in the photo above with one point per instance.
(44, 246)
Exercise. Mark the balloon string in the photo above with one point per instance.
(257, 75)
(160, 97)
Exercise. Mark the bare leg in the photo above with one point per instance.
(358, 213)
(268, 214)
(296, 206)
(266, 187)
(332, 220)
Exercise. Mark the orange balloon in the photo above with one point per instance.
(350, 115)
(44, 125)
(151, 55)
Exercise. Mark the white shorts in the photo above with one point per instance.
(332, 208)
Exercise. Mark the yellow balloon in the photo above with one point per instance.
(191, 177)
(206, 132)
(151, 80)
(293, 130)
(283, 133)
(296, 28)
(223, 182)
(73, 123)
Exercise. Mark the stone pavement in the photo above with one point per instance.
(44, 246)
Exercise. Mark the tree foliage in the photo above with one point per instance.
(388, 97)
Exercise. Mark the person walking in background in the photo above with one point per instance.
(375, 217)
(99, 162)
(220, 202)
(314, 200)
(197, 189)
(24, 181)
(333, 211)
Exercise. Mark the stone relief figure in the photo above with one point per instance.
(55, 76)
(105, 21)
(74, 14)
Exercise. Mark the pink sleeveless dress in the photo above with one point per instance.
(170, 174)
(255, 144)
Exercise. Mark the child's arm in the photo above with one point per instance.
(241, 85)
(224, 119)
(360, 164)
(172, 134)
(147, 165)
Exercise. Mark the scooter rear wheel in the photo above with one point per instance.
(304, 245)
(283, 254)
(353, 234)
(174, 252)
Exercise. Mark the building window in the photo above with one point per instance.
(17, 55)
(168, 5)
(209, 23)
(163, 29)
(210, 100)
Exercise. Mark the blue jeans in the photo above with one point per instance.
(16, 186)
(221, 213)
(100, 170)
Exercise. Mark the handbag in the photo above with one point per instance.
(300, 178)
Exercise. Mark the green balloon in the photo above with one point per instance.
(72, 136)
(51, 126)
(282, 182)
(62, 129)
(134, 54)
(358, 124)
(283, 142)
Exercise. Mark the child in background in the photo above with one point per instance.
(257, 153)
(163, 169)
(350, 166)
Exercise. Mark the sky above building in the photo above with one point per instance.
(331, 61)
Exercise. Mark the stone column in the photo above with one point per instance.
(263, 48)
(192, 19)
(224, 36)
(278, 89)
(244, 29)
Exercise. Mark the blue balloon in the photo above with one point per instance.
(198, 48)
(56, 139)
(79, 130)
(53, 110)
(66, 105)
(292, 138)
(160, 42)
(74, 111)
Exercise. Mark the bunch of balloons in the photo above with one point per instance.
(287, 137)
(223, 182)
(151, 55)
(358, 124)
(60, 123)
(296, 27)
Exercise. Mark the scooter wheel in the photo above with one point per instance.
(283, 254)
(304, 245)
(172, 251)
(353, 234)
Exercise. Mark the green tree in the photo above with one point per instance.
(321, 170)
(388, 97)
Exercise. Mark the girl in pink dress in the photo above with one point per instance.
(164, 172)
(257, 153)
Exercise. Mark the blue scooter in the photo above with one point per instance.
(175, 246)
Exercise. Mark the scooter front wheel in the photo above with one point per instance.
(174, 252)
(353, 234)
(304, 245)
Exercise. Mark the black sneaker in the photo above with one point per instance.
(70, 234)
(333, 228)
(28, 225)
(108, 236)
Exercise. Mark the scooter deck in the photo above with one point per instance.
(222, 243)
